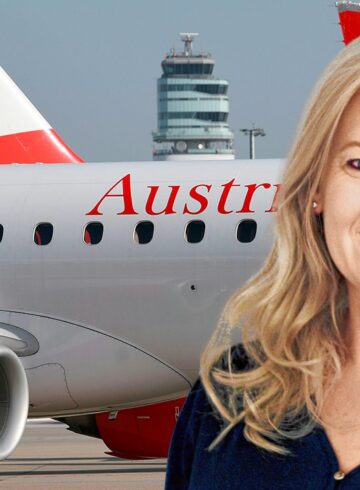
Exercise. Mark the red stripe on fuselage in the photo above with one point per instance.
(36, 146)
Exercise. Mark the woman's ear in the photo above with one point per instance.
(317, 203)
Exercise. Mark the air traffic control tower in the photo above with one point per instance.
(193, 108)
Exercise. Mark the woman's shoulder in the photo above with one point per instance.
(239, 360)
(237, 357)
(198, 403)
(185, 439)
(198, 425)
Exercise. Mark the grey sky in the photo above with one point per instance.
(91, 66)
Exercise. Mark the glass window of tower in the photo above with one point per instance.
(207, 88)
(188, 69)
(203, 116)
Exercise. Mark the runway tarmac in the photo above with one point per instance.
(51, 457)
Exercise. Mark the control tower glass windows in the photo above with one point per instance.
(203, 116)
(212, 116)
(206, 88)
(187, 68)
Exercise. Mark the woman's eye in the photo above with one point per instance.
(354, 163)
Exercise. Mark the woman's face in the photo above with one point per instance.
(339, 196)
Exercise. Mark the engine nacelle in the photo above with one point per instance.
(14, 400)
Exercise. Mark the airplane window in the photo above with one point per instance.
(195, 231)
(246, 230)
(93, 233)
(1, 232)
(43, 233)
(144, 232)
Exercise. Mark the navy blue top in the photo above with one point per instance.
(236, 463)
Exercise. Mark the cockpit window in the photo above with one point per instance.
(43, 233)
(93, 233)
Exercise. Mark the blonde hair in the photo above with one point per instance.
(291, 314)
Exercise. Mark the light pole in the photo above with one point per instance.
(252, 133)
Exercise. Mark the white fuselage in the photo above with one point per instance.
(119, 323)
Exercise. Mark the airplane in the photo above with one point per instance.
(112, 277)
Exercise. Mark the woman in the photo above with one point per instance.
(281, 410)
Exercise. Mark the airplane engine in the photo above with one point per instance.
(14, 400)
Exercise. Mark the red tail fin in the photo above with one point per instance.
(349, 15)
(25, 136)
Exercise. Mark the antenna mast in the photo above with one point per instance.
(188, 38)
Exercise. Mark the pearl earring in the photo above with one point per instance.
(315, 204)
